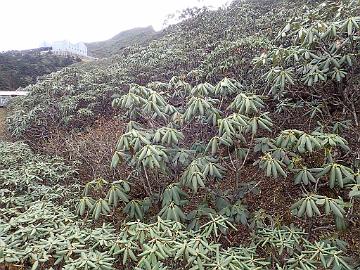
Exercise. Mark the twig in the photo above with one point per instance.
(244, 161)
(231, 161)
(147, 180)
(354, 114)
(322, 228)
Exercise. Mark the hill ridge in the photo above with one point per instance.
(126, 38)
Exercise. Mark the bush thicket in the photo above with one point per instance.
(237, 148)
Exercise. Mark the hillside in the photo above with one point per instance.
(231, 141)
(21, 68)
(110, 47)
(2, 123)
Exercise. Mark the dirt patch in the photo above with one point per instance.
(92, 149)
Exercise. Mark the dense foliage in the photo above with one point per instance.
(237, 148)
(36, 232)
(215, 51)
(21, 68)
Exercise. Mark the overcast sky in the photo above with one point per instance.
(26, 24)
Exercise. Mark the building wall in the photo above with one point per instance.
(66, 47)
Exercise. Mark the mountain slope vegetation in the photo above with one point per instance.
(229, 142)
(175, 54)
(21, 68)
(131, 37)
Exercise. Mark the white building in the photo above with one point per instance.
(66, 47)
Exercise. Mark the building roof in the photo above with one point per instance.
(13, 93)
